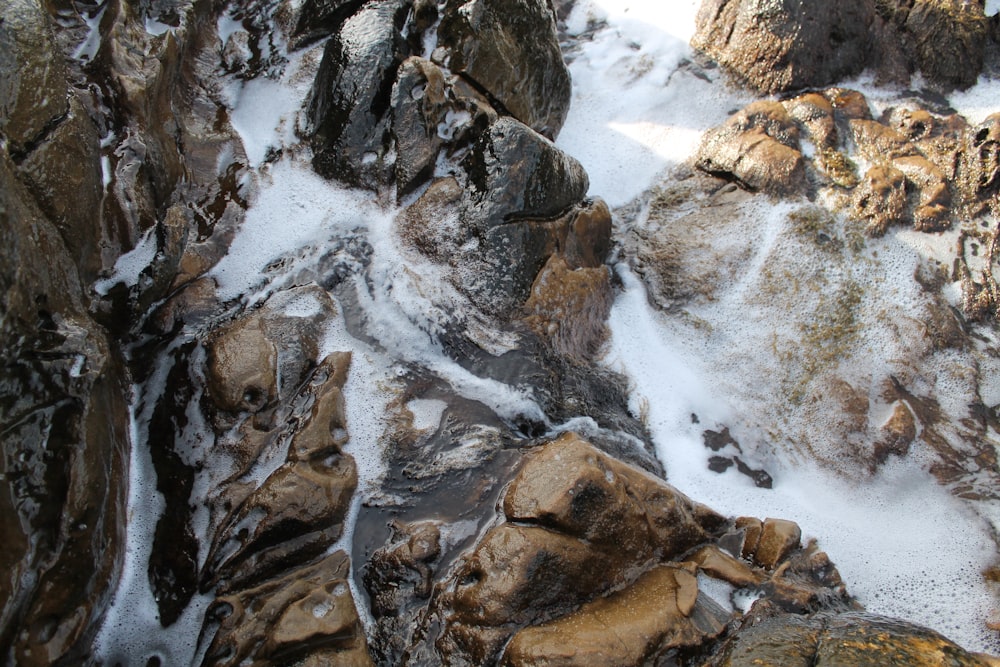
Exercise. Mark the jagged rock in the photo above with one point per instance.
(318, 18)
(880, 199)
(758, 148)
(982, 157)
(571, 487)
(305, 617)
(349, 104)
(294, 515)
(510, 50)
(943, 39)
(878, 142)
(826, 640)
(662, 610)
(65, 436)
(933, 209)
(775, 46)
(569, 307)
(517, 174)
(778, 538)
(429, 111)
(64, 174)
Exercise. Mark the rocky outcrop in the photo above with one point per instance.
(595, 561)
(773, 47)
(510, 50)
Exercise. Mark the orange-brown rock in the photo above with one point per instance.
(572, 487)
(633, 626)
(880, 199)
(305, 617)
(778, 537)
(825, 640)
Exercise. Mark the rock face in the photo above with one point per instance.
(774, 45)
(510, 50)
(787, 46)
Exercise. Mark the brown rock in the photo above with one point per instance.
(752, 527)
(778, 537)
(629, 627)
(825, 640)
(880, 199)
(306, 617)
(574, 488)
(569, 307)
(758, 148)
(933, 210)
(243, 367)
(716, 563)
(879, 143)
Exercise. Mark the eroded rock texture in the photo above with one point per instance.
(788, 46)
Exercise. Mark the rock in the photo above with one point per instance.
(778, 537)
(516, 174)
(572, 487)
(899, 432)
(944, 39)
(880, 199)
(778, 46)
(932, 212)
(430, 111)
(758, 148)
(825, 640)
(318, 18)
(879, 143)
(307, 617)
(982, 164)
(662, 610)
(510, 50)
(569, 307)
(64, 174)
(33, 77)
(64, 428)
(243, 367)
(348, 110)
(294, 515)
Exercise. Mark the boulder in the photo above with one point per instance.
(510, 50)
(758, 148)
(775, 46)
(661, 611)
(348, 109)
(64, 428)
(825, 640)
(880, 199)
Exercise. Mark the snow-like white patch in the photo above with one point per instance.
(635, 110)
(426, 413)
(130, 265)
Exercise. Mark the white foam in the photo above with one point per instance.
(131, 264)
(426, 412)
(633, 113)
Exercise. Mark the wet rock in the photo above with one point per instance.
(64, 174)
(33, 83)
(932, 212)
(515, 173)
(778, 537)
(349, 103)
(899, 432)
(569, 307)
(982, 164)
(845, 639)
(510, 50)
(662, 610)
(773, 46)
(943, 39)
(318, 18)
(307, 617)
(880, 199)
(65, 436)
(878, 142)
(243, 368)
(294, 515)
(758, 148)
(429, 111)
(571, 487)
